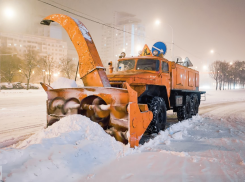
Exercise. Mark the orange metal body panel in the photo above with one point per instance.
(89, 60)
(178, 77)
(138, 122)
(184, 78)
(137, 79)
(121, 112)
(197, 79)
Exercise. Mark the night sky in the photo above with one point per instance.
(198, 25)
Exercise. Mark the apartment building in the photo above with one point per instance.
(45, 45)
(125, 34)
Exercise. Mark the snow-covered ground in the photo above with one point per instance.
(223, 96)
(210, 147)
(22, 112)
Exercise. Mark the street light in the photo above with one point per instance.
(9, 12)
(212, 52)
(157, 22)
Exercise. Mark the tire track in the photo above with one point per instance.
(20, 128)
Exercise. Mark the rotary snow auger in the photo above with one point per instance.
(116, 110)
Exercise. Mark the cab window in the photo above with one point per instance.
(126, 65)
(165, 68)
(148, 64)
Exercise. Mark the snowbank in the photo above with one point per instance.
(64, 83)
(65, 151)
(71, 149)
(174, 132)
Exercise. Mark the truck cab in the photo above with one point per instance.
(156, 78)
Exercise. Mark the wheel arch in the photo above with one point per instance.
(154, 91)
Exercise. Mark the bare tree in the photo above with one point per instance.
(9, 64)
(242, 74)
(67, 67)
(49, 65)
(223, 69)
(232, 74)
(214, 71)
(28, 64)
(237, 66)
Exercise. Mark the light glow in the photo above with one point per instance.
(212, 51)
(9, 13)
(138, 48)
(157, 22)
(205, 87)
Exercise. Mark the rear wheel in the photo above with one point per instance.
(194, 104)
(184, 112)
(159, 110)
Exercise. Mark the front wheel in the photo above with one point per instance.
(159, 110)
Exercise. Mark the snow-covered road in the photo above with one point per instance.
(210, 147)
(22, 113)
(208, 150)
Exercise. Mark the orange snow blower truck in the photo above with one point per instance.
(129, 102)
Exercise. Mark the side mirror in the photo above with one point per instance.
(110, 67)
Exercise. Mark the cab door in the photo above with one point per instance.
(165, 75)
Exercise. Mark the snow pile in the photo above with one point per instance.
(174, 132)
(63, 83)
(65, 151)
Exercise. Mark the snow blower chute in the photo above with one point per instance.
(115, 109)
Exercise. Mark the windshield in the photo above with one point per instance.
(148, 64)
(126, 65)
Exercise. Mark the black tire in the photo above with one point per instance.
(184, 112)
(194, 104)
(159, 110)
